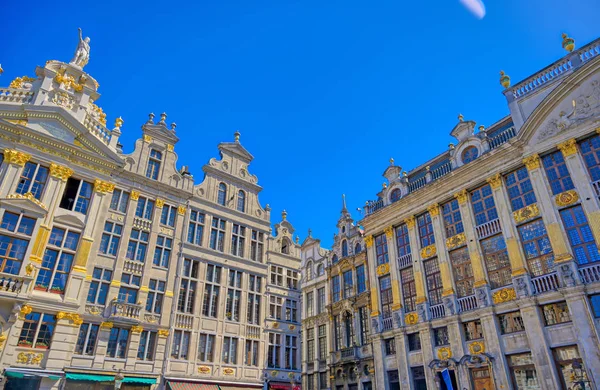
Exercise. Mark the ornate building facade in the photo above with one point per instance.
(117, 269)
(484, 260)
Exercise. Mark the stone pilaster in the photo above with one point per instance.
(394, 274)
(493, 347)
(402, 360)
(14, 161)
(427, 353)
(102, 344)
(422, 304)
(375, 298)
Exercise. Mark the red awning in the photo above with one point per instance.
(282, 386)
(176, 385)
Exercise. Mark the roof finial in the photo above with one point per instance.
(118, 122)
(568, 43)
(236, 136)
(504, 79)
(392, 161)
(309, 232)
(173, 126)
(284, 215)
(1, 70)
(163, 118)
(460, 117)
(151, 118)
(344, 202)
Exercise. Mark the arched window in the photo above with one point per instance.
(285, 246)
(222, 196)
(309, 270)
(334, 259)
(241, 201)
(357, 248)
(469, 154)
(320, 270)
(344, 248)
(153, 164)
(395, 195)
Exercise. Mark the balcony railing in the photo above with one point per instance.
(437, 311)
(12, 95)
(373, 206)
(405, 261)
(252, 332)
(348, 353)
(11, 283)
(97, 128)
(590, 274)
(387, 324)
(502, 137)
(441, 171)
(545, 283)
(132, 266)
(125, 310)
(184, 321)
(416, 184)
(142, 224)
(467, 303)
(488, 228)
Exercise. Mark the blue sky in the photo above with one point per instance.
(323, 92)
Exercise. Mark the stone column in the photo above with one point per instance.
(448, 294)
(64, 339)
(563, 259)
(520, 275)
(480, 284)
(427, 353)
(15, 161)
(132, 348)
(493, 346)
(379, 365)
(394, 275)
(422, 305)
(374, 284)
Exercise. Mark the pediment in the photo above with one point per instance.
(69, 220)
(24, 203)
(236, 149)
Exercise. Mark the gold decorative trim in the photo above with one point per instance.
(480, 283)
(434, 210)
(518, 272)
(274, 373)
(3, 338)
(103, 187)
(275, 325)
(106, 325)
(146, 138)
(420, 300)
(18, 82)
(566, 198)
(389, 232)
(495, 181)
(163, 332)
(159, 203)
(456, 241)
(228, 371)
(168, 293)
(462, 196)
(447, 292)
(526, 213)
(28, 196)
(60, 172)
(428, 251)
(79, 268)
(116, 283)
(137, 329)
(170, 147)
(73, 317)
(144, 289)
(204, 370)
(505, 295)
(13, 156)
(69, 82)
(88, 277)
(135, 195)
(383, 269)
(410, 222)
(477, 348)
(411, 318)
(562, 258)
(181, 210)
(532, 162)
(568, 147)
(25, 309)
(30, 358)
(444, 353)
(29, 269)
(369, 241)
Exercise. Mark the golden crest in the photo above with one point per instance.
(495, 181)
(369, 241)
(163, 332)
(60, 172)
(159, 203)
(476, 348)
(383, 269)
(411, 318)
(181, 210)
(526, 213)
(12, 156)
(532, 162)
(137, 329)
(444, 353)
(228, 371)
(568, 147)
(204, 370)
(566, 198)
(106, 325)
(389, 232)
(456, 241)
(462, 196)
(504, 295)
(103, 187)
(410, 222)
(434, 210)
(428, 251)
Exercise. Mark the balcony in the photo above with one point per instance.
(405, 261)
(437, 311)
(134, 267)
(467, 303)
(12, 285)
(589, 274)
(387, 324)
(125, 310)
(545, 283)
(596, 186)
(488, 229)
(252, 332)
(142, 224)
(348, 353)
(184, 321)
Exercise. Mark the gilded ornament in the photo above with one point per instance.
(566, 198)
(274, 373)
(444, 353)
(369, 241)
(73, 317)
(163, 332)
(568, 147)
(291, 327)
(137, 329)
(103, 187)
(462, 196)
(169, 293)
(479, 283)
(410, 222)
(170, 147)
(97, 113)
(568, 43)
(25, 310)
(12, 156)
(146, 138)
(19, 81)
(203, 370)
(526, 213)
(275, 325)
(181, 210)
(476, 348)
(504, 295)
(228, 371)
(532, 162)
(428, 251)
(135, 195)
(68, 81)
(60, 172)
(434, 210)
(29, 358)
(383, 269)
(504, 79)
(28, 196)
(389, 232)
(3, 338)
(29, 269)
(495, 181)
(411, 318)
(159, 203)
(456, 241)
(118, 122)
(106, 325)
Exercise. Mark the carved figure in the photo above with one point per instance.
(82, 53)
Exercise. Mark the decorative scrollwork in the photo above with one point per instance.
(526, 213)
(456, 241)
(566, 198)
(383, 269)
(504, 295)
(428, 251)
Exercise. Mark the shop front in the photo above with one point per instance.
(182, 384)
(89, 381)
(30, 379)
(283, 386)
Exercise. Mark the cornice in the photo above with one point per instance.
(217, 173)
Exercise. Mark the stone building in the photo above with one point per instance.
(484, 260)
(117, 269)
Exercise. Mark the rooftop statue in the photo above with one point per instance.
(82, 54)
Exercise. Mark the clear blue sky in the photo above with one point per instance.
(323, 92)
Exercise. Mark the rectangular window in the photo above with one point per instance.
(153, 168)
(130, 286)
(310, 304)
(234, 296)
(77, 195)
(537, 248)
(217, 234)
(117, 343)
(109, 244)
(138, 245)
(254, 297)
(440, 336)
(361, 280)
(292, 279)
(310, 344)
(291, 352)
(291, 310)
(33, 179)
(206, 347)
(322, 342)
(556, 313)
(363, 313)
(277, 276)
(323, 381)
(381, 249)
(348, 284)
(557, 173)
(565, 357)
(310, 382)
(168, 215)
(188, 286)
(484, 207)
(181, 344)
(511, 322)
(390, 346)
(156, 295)
(522, 370)
(86, 341)
(321, 300)
(425, 227)
(238, 240)
(335, 288)
(462, 271)
(119, 201)
(37, 330)
(57, 261)
(452, 218)
(402, 240)
(385, 287)
(414, 342)
(276, 307)
(433, 279)
(519, 188)
(229, 352)
(99, 286)
(162, 251)
(473, 330)
(12, 249)
(496, 261)
(256, 245)
(211, 291)
(595, 302)
(145, 208)
(338, 333)
(274, 352)
(147, 345)
(251, 353)
(590, 152)
(580, 235)
(409, 289)
(196, 228)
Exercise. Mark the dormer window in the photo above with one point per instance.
(153, 164)
(222, 195)
(469, 154)
(241, 201)
(395, 195)
(285, 246)
(344, 248)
